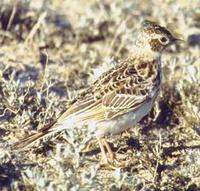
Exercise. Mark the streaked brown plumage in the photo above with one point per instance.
(120, 97)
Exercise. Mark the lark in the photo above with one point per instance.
(121, 96)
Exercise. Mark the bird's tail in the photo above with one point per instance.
(46, 130)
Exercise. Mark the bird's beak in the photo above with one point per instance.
(177, 40)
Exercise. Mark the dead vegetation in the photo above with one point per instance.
(48, 50)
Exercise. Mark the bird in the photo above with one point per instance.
(120, 97)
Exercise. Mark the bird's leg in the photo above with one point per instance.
(111, 159)
(111, 155)
(156, 111)
(100, 140)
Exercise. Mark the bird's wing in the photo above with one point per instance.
(117, 92)
(119, 103)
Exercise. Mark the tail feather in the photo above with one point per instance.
(61, 123)
(47, 130)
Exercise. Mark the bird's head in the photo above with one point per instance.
(154, 38)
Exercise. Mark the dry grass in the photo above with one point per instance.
(48, 50)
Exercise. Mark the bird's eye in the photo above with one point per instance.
(163, 40)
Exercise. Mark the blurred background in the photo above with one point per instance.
(48, 52)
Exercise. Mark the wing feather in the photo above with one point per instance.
(128, 103)
(126, 90)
